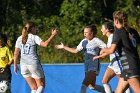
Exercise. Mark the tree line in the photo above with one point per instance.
(69, 16)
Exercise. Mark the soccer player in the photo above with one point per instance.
(114, 68)
(6, 59)
(91, 46)
(126, 46)
(31, 68)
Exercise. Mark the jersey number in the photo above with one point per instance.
(26, 48)
(133, 40)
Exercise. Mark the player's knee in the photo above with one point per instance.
(33, 87)
(41, 83)
(119, 90)
(91, 86)
(87, 83)
(104, 81)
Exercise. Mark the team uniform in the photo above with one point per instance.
(29, 61)
(5, 57)
(91, 48)
(115, 64)
(128, 54)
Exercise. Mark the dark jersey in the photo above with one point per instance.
(127, 49)
(134, 35)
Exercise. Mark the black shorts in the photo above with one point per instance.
(126, 74)
(6, 75)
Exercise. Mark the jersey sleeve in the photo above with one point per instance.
(116, 37)
(37, 40)
(80, 47)
(101, 44)
(17, 45)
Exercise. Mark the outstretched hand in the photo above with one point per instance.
(60, 46)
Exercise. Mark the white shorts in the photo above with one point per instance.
(116, 67)
(34, 71)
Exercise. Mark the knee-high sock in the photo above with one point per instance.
(128, 90)
(83, 89)
(99, 88)
(40, 89)
(33, 91)
(107, 88)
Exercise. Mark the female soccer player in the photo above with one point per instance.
(125, 45)
(114, 68)
(31, 68)
(6, 59)
(91, 46)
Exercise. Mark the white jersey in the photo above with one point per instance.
(114, 58)
(91, 48)
(29, 50)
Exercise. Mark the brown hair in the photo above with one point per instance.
(121, 16)
(109, 26)
(26, 30)
(93, 29)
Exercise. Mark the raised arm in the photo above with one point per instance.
(46, 43)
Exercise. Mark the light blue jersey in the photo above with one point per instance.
(29, 50)
(91, 48)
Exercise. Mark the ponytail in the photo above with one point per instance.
(24, 35)
(26, 30)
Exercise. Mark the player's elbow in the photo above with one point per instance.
(75, 51)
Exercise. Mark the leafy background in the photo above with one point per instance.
(69, 16)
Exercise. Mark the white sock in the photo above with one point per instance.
(40, 89)
(33, 91)
(107, 88)
(99, 88)
(128, 90)
(83, 89)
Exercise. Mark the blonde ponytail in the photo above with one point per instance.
(26, 30)
(24, 35)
